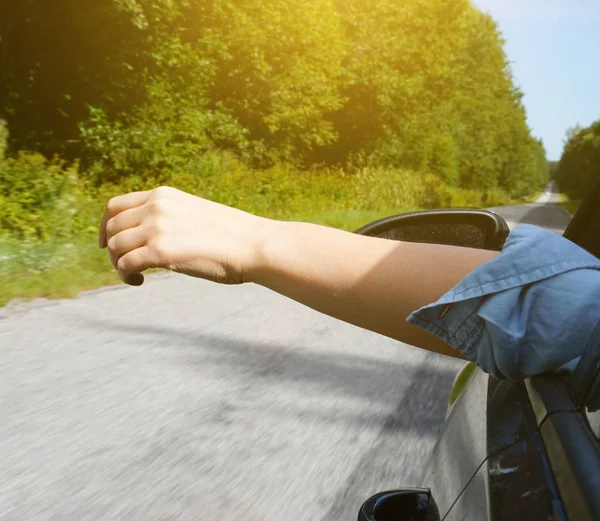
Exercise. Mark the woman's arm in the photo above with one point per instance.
(370, 282)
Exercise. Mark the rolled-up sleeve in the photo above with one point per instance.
(530, 310)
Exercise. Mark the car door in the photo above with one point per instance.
(525, 450)
(571, 431)
(509, 450)
(489, 461)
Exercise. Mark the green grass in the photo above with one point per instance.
(53, 270)
(567, 204)
(533, 197)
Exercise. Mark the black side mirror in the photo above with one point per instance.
(479, 229)
(400, 505)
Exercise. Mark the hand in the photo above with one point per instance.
(168, 228)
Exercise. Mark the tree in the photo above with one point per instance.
(579, 165)
(423, 84)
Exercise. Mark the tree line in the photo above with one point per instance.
(578, 170)
(136, 87)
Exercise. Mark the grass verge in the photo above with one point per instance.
(568, 204)
(52, 270)
(64, 269)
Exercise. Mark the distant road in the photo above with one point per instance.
(544, 212)
(184, 400)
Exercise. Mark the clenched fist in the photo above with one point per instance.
(168, 228)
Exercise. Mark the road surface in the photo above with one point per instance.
(184, 400)
(544, 212)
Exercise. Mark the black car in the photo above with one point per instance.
(509, 450)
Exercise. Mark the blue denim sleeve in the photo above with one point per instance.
(530, 310)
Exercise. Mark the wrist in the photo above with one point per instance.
(266, 234)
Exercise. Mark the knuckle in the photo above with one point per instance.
(122, 264)
(126, 263)
(112, 205)
(157, 228)
(157, 205)
(160, 251)
(163, 190)
(110, 227)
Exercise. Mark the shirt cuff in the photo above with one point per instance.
(530, 310)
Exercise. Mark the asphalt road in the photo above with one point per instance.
(544, 212)
(184, 400)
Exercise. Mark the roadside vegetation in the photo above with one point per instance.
(331, 112)
(568, 204)
(579, 167)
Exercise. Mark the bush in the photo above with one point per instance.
(49, 222)
(39, 197)
(435, 194)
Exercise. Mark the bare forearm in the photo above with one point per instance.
(372, 283)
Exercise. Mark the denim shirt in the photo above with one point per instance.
(530, 310)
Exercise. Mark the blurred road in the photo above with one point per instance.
(544, 212)
(184, 400)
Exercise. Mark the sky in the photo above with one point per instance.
(554, 50)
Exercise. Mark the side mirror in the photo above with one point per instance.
(479, 229)
(400, 505)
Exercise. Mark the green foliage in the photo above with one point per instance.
(49, 224)
(58, 268)
(36, 196)
(429, 88)
(158, 138)
(278, 65)
(46, 200)
(331, 111)
(420, 84)
(579, 167)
